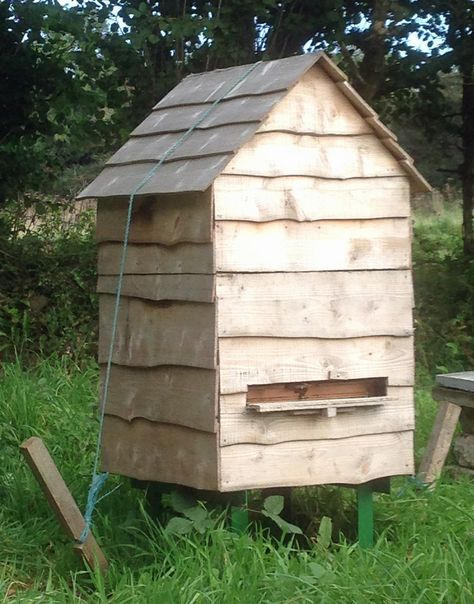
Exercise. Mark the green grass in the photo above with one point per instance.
(425, 539)
(423, 552)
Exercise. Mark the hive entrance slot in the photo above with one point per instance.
(322, 396)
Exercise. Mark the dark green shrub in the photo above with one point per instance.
(47, 280)
(444, 296)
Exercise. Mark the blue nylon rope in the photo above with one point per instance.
(99, 478)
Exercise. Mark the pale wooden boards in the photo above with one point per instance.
(330, 245)
(150, 334)
(439, 442)
(332, 114)
(164, 219)
(349, 461)
(167, 453)
(176, 395)
(61, 500)
(318, 305)
(286, 154)
(239, 426)
(305, 198)
(246, 360)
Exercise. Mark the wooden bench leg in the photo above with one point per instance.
(365, 515)
(439, 442)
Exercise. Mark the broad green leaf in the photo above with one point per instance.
(179, 526)
(274, 504)
(325, 532)
(196, 513)
(180, 503)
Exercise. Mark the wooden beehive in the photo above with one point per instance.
(265, 336)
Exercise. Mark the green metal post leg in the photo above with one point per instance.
(365, 515)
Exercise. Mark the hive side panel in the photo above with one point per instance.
(353, 460)
(153, 451)
(253, 360)
(240, 426)
(150, 334)
(167, 219)
(313, 283)
(171, 394)
(331, 245)
(154, 259)
(318, 305)
(161, 407)
(334, 114)
(275, 154)
(306, 198)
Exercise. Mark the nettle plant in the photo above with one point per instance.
(193, 516)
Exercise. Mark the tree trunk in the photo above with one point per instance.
(467, 167)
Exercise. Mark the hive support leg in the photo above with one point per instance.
(365, 515)
(239, 515)
(439, 443)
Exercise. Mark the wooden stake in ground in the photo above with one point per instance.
(61, 500)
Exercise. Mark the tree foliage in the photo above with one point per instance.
(77, 78)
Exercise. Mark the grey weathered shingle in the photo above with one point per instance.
(248, 97)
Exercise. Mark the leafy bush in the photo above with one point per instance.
(444, 295)
(47, 279)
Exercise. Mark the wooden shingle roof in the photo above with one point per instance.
(196, 162)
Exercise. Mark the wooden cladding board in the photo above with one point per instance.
(333, 245)
(150, 334)
(184, 288)
(320, 305)
(185, 396)
(304, 198)
(351, 460)
(165, 219)
(146, 259)
(285, 154)
(315, 104)
(159, 452)
(245, 361)
(238, 425)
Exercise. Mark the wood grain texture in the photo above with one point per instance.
(61, 501)
(451, 395)
(185, 396)
(160, 452)
(284, 154)
(165, 219)
(439, 442)
(353, 460)
(319, 305)
(315, 104)
(239, 425)
(150, 334)
(330, 406)
(304, 198)
(312, 246)
(185, 288)
(145, 259)
(245, 361)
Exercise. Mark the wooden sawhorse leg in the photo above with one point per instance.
(439, 442)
